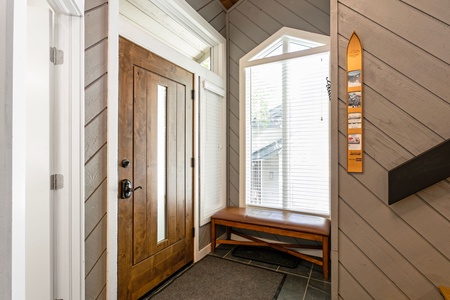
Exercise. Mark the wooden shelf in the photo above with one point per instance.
(419, 172)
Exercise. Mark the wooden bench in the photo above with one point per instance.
(283, 223)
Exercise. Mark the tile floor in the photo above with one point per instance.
(304, 282)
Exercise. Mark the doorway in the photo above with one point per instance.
(155, 218)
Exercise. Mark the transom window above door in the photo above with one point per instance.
(285, 129)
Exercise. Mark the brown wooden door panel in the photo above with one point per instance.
(141, 247)
(152, 127)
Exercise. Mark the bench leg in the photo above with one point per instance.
(326, 257)
(228, 233)
(213, 235)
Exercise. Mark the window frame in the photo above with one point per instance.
(251, 59)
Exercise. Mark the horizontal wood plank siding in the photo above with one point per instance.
(261, 19)
(95, 98)
(213, 12)
(199, 4)
(95, 135)
(96, 206)
(89, 4)
(219, 23)
(95, 62)
(358, 264)
(406, 112)
(374, 245)
(210, 10)
(96, 27)
(96, 279)
(349, 288)
(95, 245)
(438, 197)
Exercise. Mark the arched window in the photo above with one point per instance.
(285, 129)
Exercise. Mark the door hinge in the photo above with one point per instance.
(192, 162)
(193, 232)
(192, 94)
(56, 56)
(56, 182)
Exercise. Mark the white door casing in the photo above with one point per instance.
(68, 159)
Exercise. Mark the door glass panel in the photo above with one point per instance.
(161, 178)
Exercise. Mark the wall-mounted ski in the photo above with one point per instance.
(354, 105)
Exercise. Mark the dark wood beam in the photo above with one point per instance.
(419, 172)
(229, 3)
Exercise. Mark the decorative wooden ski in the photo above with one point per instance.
(354, 105)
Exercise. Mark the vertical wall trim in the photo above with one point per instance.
(227, 72)
(334, 135)
(113, 146)
(6, 154)
(16, 98)
(78, 180)
(12, 143)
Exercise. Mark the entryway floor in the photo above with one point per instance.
(303, 282)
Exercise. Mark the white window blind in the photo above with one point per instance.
(212, 150)
(287, 134)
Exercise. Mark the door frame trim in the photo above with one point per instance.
(71, 90)
(112, 206)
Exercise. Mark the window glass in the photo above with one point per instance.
(287, 132)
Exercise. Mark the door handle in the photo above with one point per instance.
(126, 189)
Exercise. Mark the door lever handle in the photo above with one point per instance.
(126, 189)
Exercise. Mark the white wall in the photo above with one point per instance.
(5, 166)
(12, 139)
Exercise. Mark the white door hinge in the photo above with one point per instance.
(56, 56)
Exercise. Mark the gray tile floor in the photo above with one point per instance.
(304, 282)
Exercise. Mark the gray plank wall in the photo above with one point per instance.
(212, 11)
(96, 27)
(400, 251)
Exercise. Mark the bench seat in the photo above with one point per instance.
(284, 223)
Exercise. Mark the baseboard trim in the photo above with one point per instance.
(205, 251)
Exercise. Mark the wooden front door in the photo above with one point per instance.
(155, 137)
